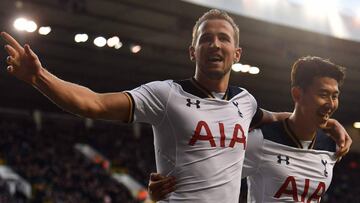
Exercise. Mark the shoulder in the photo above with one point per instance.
(275, 132)
(324, 142)
(234, 90)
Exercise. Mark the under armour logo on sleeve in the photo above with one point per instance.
(282, 158)
(237, 106)
(196, 103)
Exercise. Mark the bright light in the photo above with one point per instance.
(100, 41)
(20, 24)
(31, 26)
(44, 30)
(23, 24)
(135, 48)
(118, 45)
(320, 8)
(254, 70)
(245, 68)
(236, 67)
(81, 38)
(357, 125)
(111, 42)
(336, 23)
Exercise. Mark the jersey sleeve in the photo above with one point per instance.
(257, 117)
(253, 153)
(148, 102)
(257, 114)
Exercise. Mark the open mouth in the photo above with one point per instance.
(215, 58)
(325, 115)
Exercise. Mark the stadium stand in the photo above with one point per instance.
(45, 157)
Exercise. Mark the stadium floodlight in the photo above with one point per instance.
(245, 68)
(23, 24)
(100, 41)
(135, 48)
(254, 70)
(320, 8)
(31, 26)
(236, 67)
(20, 24)
(357, 125)
(113, 41)
(118, 45)
(44, 30)
(81, 38)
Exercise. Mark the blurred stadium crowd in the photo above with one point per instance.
(45, 157)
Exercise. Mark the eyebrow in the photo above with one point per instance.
(327, 90)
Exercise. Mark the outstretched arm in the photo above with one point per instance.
(24, 64)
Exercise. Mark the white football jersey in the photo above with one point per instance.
(279, 169)
(198, 139)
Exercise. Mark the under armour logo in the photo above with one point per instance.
(189, 103)
(282, 158)
(237, 106)
(324, 162)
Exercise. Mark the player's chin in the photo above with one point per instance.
(216, 73)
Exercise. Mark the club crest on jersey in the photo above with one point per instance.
(324, 162)
(283, 158)
(237, 106)
(196, 103)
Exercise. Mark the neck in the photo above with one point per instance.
(213, 85)
(303, 127)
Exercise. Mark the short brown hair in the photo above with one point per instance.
(215, 14)
(305, 69)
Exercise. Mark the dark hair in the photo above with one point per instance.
(215, 14)
(305, 69)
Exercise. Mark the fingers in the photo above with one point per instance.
(165, 182)
(10, 40)
(156, 176)
(11, 51)
(161, 194)
(30, 52)
(159, 186)
(11, 61)
(342, 151)
(10, 69)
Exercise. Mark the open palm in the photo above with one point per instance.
(23, 62)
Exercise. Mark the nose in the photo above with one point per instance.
(215, 43)
(331, 103)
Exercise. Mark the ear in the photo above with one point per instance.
(296, 93)
(237, 54)
(192, 53)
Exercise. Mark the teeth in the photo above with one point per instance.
(215, 58)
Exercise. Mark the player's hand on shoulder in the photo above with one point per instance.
(341, 137)
(159, 186)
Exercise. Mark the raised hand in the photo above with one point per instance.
(22, 62)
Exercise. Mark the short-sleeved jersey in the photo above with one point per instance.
(198, 139)
(278, 169)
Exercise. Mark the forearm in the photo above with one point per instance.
(269, 116)
(68, 96)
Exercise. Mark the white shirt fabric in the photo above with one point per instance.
(279, 171)
(193, 137)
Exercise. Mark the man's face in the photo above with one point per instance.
(214, 51)
(320, 100)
